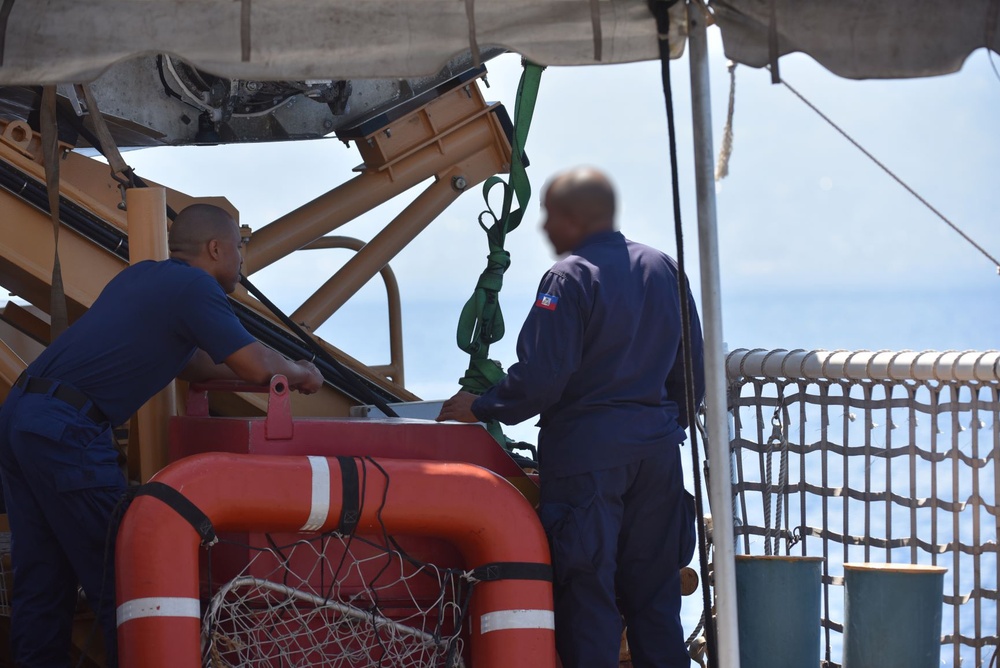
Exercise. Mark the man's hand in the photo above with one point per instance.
(310, 380)
(458, 408)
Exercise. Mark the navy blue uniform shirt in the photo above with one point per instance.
(600, 359)
(140, 333)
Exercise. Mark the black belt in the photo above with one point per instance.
(63, 393)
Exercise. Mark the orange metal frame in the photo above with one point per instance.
(454, 139)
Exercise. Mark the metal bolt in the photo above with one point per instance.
(459, 183)
(327, 124)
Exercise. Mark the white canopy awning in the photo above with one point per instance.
(66, 41)
(861, 39)
(63, 41)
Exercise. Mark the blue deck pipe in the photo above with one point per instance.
(778, 606)
(892, 615)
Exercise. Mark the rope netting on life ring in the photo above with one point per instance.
(332, 600)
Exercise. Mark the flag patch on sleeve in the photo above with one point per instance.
(547, 302)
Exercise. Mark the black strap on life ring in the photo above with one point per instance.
(512, 570)
(182, 506)
(350, 508)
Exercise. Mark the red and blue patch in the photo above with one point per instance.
(547, 302)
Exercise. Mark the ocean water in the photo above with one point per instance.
(958, 319)
(954, 319)
(819, 320)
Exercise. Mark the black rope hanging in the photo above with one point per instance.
(660, 9)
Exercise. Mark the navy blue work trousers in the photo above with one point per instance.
(619, 538)
(61, 483)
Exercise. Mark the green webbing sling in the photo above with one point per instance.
(481, 322)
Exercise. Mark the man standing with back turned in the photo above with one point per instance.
(154, 321)
(600, 359)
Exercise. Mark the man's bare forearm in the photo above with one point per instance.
(256, 363)
(201, 368)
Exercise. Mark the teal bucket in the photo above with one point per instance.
(892, 615)
(778, 605)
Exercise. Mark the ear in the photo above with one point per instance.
(581, 225)
(213, 248)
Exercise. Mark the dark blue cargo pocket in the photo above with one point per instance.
(46, 426)
(688, 537)
(571, 540)
(76, 453)
(98, 466)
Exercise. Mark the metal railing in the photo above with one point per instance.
(394, 369)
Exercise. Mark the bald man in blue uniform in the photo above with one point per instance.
(59, 465)
(600, 360)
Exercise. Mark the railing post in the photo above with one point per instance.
(720, 489)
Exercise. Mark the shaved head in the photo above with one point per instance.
(578, 203)
(207, 237)
(195, 226)
(587, 194)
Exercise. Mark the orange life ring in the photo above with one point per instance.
(488, 521)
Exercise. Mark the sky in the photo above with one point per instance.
(802, 216)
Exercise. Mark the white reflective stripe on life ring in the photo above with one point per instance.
(506, 620)
(320, 508)
(158, 606)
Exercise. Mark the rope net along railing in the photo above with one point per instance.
(334, 601)
(874, 457)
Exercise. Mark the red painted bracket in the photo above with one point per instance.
(278, 424)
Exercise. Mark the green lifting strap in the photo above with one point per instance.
(481, 321)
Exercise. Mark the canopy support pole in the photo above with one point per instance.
(717, 449)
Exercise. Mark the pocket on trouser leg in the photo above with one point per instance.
(99, 467)
(74, 452)
(48, 427)
(571, 539)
